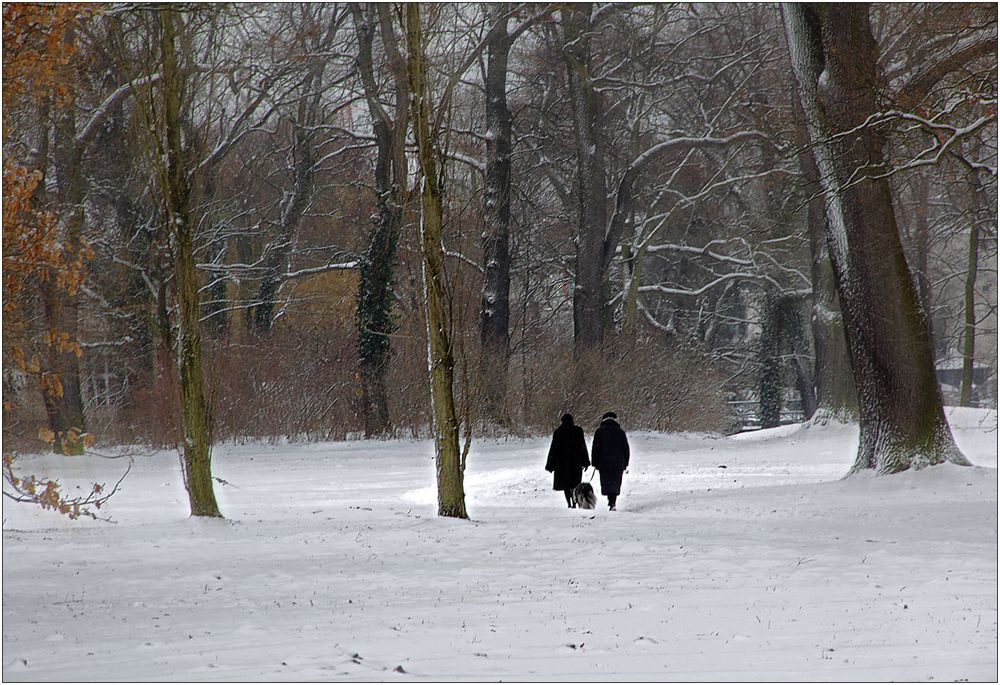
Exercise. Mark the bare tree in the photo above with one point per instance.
(440, 351)
(902, 421)
(375, 287)
(173, 174)
(494, 314)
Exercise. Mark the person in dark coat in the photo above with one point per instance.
(609, 454)
(567, 458)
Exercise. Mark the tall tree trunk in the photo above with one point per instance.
(902, 421)
(591, 182)
(783, 336)
(176, 192)
(375, 296)
(805, 379)
(494, 313)
(450, 461)
(971, 273)
(832, 367)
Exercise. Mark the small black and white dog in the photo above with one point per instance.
(584, 497)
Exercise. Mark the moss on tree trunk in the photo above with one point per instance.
(440, 358)
(176, 191)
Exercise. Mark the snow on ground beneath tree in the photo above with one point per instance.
(741, 558)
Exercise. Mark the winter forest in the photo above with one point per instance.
(295, 295)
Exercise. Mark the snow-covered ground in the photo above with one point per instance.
(739, 558)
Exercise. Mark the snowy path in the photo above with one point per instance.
(770, 568)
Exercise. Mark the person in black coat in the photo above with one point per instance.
(567, 458)
(609, 454)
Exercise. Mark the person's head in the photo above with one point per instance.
(609, 415)
(567, 419)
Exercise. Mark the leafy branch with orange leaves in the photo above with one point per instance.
(37, 75)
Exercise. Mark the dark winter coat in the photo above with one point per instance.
(567, 457)
(609, 455)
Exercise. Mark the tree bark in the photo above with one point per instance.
(176, 192)
(375, 296)
(591, 182)
(782, 336)
(805, 378)
(164, 365)
(632, 259)
(449, 459)
(832, 367)
(971, 273)
(494, 313)
(922, 245)
(770, 382)
(901, 418)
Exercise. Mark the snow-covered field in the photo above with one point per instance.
(741, 558)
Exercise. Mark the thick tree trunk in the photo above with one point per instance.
(176, 191)
(832, 368)
(494, 313)
(374, 312)
(449, 459)
(902, 421)
(591, 182)
(375, 296)
(783, 336)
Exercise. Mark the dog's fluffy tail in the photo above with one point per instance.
(584, 496)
